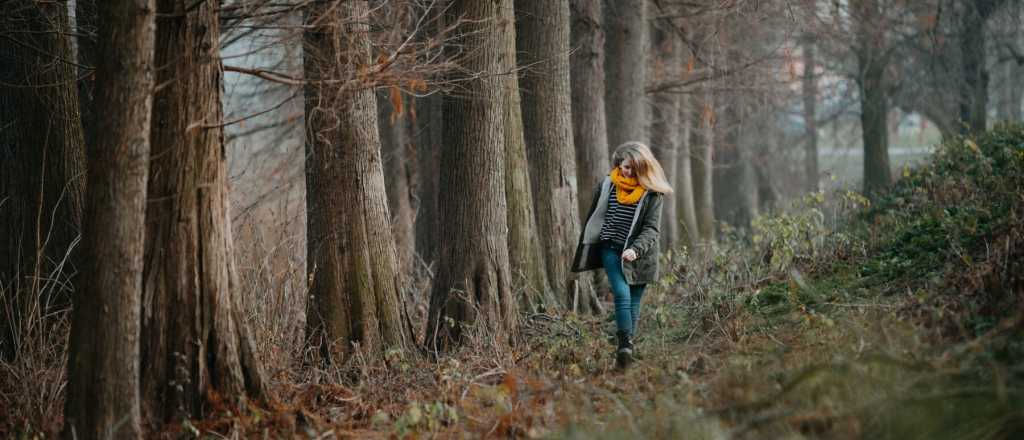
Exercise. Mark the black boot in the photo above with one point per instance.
(624, 353)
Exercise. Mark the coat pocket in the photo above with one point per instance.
(642, 270)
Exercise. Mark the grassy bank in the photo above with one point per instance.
(897, 317)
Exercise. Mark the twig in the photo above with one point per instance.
(267, 75)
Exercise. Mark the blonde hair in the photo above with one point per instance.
(646, 168)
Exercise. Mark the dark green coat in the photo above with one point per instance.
(644, 236)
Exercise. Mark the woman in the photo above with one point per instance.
(621, 235)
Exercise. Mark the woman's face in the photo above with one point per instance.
(626, 168)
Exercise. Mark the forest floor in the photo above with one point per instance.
(899, 316)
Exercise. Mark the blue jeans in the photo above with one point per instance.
(627, 297)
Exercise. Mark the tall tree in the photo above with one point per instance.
(195, 342)
(665, 124)
(872, 58)
(735, 186)
(973, 87)
(703, 164)
(809, 90)
(42, 161)
(524, 247)
(685, 143)
(1012, 96)
(473, 285)
(684, 186)
(625, 67)
(356, 285)
(542, 34)
(587, 81)
(428, 138)
(103, 360)
(590, 133)
(394, 127)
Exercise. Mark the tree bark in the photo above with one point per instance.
(472, 288)
(542, 33)
(42, 164)
(103, 360)
(590, 134)
(356, 286)
(524, 249)
(625, 69)
(809, 89)
(196, 347)
(702, 166)
(394, 138)
(665, 124)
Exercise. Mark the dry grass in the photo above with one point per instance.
(32, 385)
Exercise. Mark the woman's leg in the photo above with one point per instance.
(620, 290)
(636, 293)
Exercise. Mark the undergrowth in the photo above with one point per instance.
(898, 316)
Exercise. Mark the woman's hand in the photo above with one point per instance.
(629, 254)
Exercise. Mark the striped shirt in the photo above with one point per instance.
(617, 220)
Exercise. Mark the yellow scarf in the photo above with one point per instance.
(629, 188)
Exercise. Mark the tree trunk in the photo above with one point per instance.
(735, 186)
(1014, 70)
(975, 78)
(877, 172)
(103, 359)
(1008, 88)
(589, 133)
(1016, 94)
(473, 284)
(429, 125)
(196, 347)
(524, 249)
(702, 166)
(42, 165)
(587, 83)
(874, 110)
(665, 124)
(428, 138)
(542, 29)
(873, 100)
(356, 287)
(625, 67)
(767, 197)
(394, 139)
(809, 89)
(684, 185)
